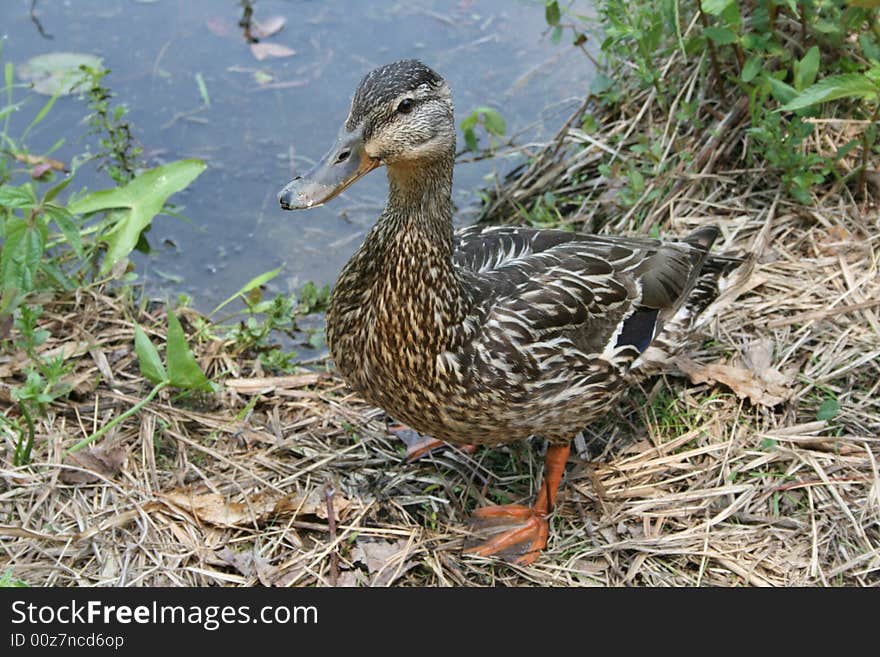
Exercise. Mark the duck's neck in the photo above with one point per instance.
(419, 206)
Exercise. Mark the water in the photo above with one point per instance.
(254, 137)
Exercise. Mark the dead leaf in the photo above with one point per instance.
(386, 561)
(313, 504)
(250, 564)
(40, 161)
(765, 388)
(97, 462)
(263, 50)
(215, 509)
(268, 27)
(266, 384)
(350, 579)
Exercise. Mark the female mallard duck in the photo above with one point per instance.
(488, 335)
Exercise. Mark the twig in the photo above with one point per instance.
(331, 522)
(36, 21)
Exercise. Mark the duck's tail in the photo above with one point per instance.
(719, 280)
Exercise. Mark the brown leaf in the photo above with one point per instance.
(263, 50)
(386, 561)
(765, 388)
(100, 462)
(266, 384)
(268, 27)
(40, 161)
(215, 509)
(250, 564)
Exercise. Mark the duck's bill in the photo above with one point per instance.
(345, 163)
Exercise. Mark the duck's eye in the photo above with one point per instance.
(405, 106)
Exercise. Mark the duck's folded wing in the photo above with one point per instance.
(596, 293)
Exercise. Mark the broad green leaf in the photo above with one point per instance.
(67, 225)
(715, 7)
(57, 72)
(781, 91)
(17, 197)
(721, 36)
(828, 409)
(495, 124)
(138, 203)
(556, 35)
(183, 370)
(752, 68)
(806, 69)
(552, 12)
(255, 282)
(834, 87)
(148, 357)
(869, 45)
(23, 248)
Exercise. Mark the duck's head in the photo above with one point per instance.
(401, 116)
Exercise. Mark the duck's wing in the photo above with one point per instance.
(599, 294)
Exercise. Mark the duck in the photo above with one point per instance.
(489, 334)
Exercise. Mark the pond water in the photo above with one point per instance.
(268, 118)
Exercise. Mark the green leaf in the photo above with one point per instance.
(752, 68)
(721, 36)
(203, 90)
(148, 358)
(601, 83)
(138, 202)
(20, 258)
(183, 370)
(868, 42)
(781, 91)
(552, 12)
(470, 121)
(470, 139)
(805, 70)
(556, 35)
(493, 120)
(847, 85)
(17, 197)
(828, 409)
(255, 282)
(67, 225)
(715, 7)
(54, 191)
(57, 73)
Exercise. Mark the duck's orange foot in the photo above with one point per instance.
(512, 532)
(418, 445)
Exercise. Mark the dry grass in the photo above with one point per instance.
(688, 484)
